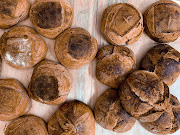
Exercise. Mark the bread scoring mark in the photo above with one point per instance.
(79, 46)
(9, 100)
(45, 87)
(18, 51)
(7, 7)
(166, 18)
(48, 15)
(125, 19)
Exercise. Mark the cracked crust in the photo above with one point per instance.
(122, 24)
(14, 101)
(110, 115)
(142, 91)
(163, 60)
(72, 118)
(50, 83)
(51, 17)
(22, 47)
(162, 21)
(28, 125)
(12, 12)
(114, 63)
(75, 47)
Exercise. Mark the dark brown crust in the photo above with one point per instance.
(50, 83)
(11, 12)
(164, 32)
(163, 60)
(51, 17)
(134, 97)
(72, 117)
(22, 47)
(75, 47)
(165, 122)
(114, 63)
(110, 115)
(29, 125)
(127, 31)
(14, 101)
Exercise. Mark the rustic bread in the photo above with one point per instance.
(110, 115)
(50, 83)
(164, 121)
(12, 12)
(143, 91)
(22, 47)
(14, 101)
(51, 17)
(114, 63)
(72, 118)
(162, 21)
(163, 60)
(75, 47)
(122, 24)
(27, 125)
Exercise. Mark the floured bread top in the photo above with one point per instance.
(18, 51)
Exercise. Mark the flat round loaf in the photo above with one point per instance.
(110, 115)
(163, 60)
(162, 21)
(14, 101)
(122, 24)
(114, 63)
(22, 47)
(163, 122)
(50, 83)
(75, 47)
(27, 125)
(12, 12)
(143, 91)
(72, 118)
(51, 17)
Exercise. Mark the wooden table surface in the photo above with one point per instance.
(86, 88)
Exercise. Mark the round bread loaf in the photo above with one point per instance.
(114, 63)
(162, 21)
(12, 12)
(22, 47)
(14, 100)
(27, 125)
(143, 91)
(51, 17)
(50, 83)
(122, 24)
(164, 121)
(75, 47)
(72, 118)
(110, 115)
(163, 60)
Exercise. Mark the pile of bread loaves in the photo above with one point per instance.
(134, 95)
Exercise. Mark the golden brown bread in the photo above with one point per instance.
(75, 47)
(114, 63)
(14, 101)
(110, 115)
(51, 17)
(22, 47)
(122, 24)
(162, 21)
(142, 91)
(163, 60)
(72, 118)
(27, 125)
(50, 83)
(12, 12)
(164, 121)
